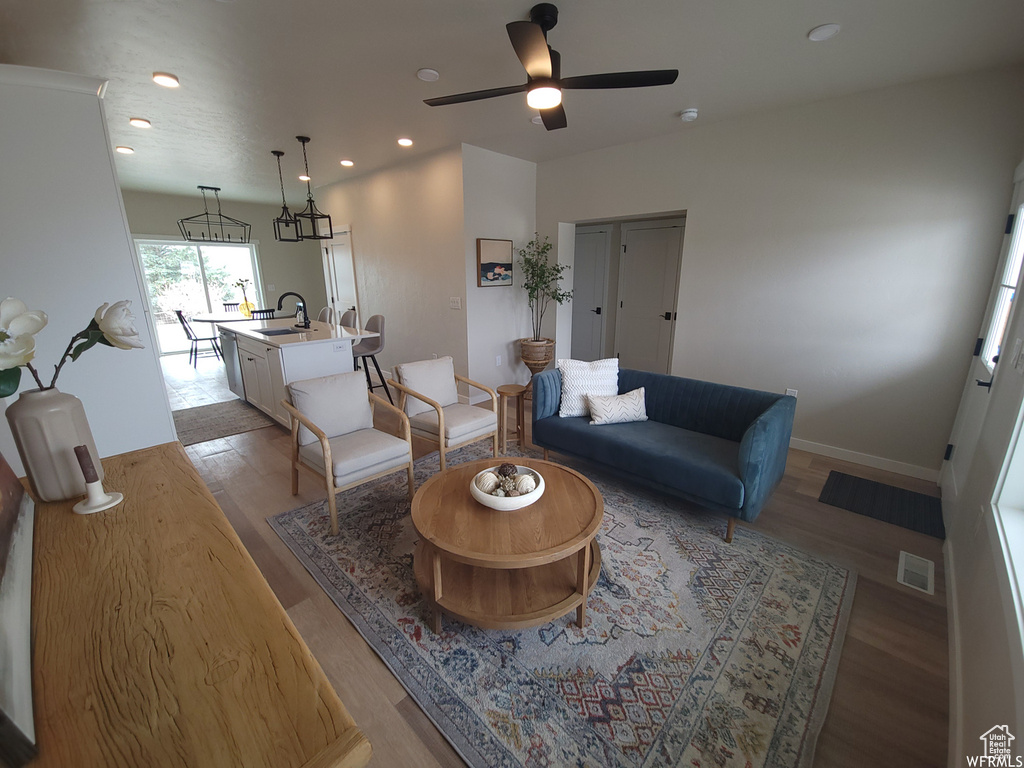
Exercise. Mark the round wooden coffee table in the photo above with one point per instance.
(506, 570)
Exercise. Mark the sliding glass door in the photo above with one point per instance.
(193, 277)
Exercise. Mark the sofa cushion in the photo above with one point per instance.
(617, 409)
(581, 378)
(696, 464)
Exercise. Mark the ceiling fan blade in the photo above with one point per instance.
(531, 47)
(490, 93)
(623, 79)
(554, 118)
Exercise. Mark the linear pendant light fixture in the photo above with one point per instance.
(313, 224)
(286, 227)
(209, 227)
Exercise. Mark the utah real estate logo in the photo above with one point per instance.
(997, 750)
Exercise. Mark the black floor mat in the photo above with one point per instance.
(907, 509)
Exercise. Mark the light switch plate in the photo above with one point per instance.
(455, 302)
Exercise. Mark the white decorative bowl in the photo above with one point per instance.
(508, 503)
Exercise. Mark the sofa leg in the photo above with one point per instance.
(729, 530)
(546, 455)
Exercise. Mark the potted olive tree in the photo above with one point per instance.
(539, 278)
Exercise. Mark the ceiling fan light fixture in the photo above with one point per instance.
(544, 96)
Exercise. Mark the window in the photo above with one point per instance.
(193, 277)
(1007, 290)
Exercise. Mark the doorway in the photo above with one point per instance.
(195, 278)
(340, 274)
(589, 292)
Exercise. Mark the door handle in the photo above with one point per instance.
(986, 384)
(596, 311)
(667, 316)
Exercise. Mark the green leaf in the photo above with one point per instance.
(92, 338)
(9, 381)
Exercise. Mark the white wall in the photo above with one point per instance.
(65, 249)
(500, 203)
(843, 248)
(287, 266)
(409, 252)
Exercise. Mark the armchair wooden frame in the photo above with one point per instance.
(297, 418)
(407, 392)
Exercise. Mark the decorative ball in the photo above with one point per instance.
(525, 483)
(507, 470)
(487, 482)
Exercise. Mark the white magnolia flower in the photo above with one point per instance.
(16, 350)
(18, 327)
(116, 321)
(16, 319)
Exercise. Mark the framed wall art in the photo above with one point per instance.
(493, 262)
(17, 726)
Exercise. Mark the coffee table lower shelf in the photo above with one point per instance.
(504, 598)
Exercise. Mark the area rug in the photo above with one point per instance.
(907, 509)
(208, 422)
(695, 652)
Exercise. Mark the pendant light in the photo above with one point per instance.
(310, 220)
(286, 228)
(209, 227)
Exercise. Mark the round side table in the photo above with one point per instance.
(518, 391)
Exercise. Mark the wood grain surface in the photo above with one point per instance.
(158, 642)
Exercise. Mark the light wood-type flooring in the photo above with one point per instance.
(890, 702)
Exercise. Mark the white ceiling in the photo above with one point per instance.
(256, 73)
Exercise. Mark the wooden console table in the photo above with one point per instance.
(159, 643)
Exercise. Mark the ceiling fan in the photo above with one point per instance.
(544, 82)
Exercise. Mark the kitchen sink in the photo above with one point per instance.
(278, 331)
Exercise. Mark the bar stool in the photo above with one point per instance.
(518, 391)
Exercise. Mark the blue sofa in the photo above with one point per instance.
(722, 447)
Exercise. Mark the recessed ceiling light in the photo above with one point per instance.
(403, 142)
(140, 122)
(347, 163)
(537, 120)
(428, 75)
(303, 177)
(166, 79)
(824, 32)
(125, 150)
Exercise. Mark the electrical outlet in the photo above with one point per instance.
(791, 392)
(340, 347)
(497, 361)
(455, 302)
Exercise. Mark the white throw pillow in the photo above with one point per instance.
(337, 404)
(580, 378)
(432, 378)
(618, 409)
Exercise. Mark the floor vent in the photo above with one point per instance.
(916, 572)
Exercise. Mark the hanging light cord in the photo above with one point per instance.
(280, 178)
(305, 163)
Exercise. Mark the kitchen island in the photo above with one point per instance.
(261, 357)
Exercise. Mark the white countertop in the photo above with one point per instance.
(316, 333)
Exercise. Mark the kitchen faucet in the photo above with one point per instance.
(305, 309)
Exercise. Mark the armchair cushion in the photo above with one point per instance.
(461, 422)
(337, 404)
(433, 378)
(358, 454)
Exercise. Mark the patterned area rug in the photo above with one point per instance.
(208, 422)
(695, 653)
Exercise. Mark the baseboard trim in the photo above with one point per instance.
(956, 746)
(876, 462)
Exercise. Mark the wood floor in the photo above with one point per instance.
(890, 702)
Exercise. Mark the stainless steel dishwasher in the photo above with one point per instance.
(229, 348)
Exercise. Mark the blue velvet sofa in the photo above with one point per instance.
(722, 447)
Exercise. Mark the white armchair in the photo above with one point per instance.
(430, 398)
(333, 434)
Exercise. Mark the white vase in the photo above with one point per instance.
(47, 424)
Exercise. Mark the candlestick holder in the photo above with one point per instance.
(96, 499)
